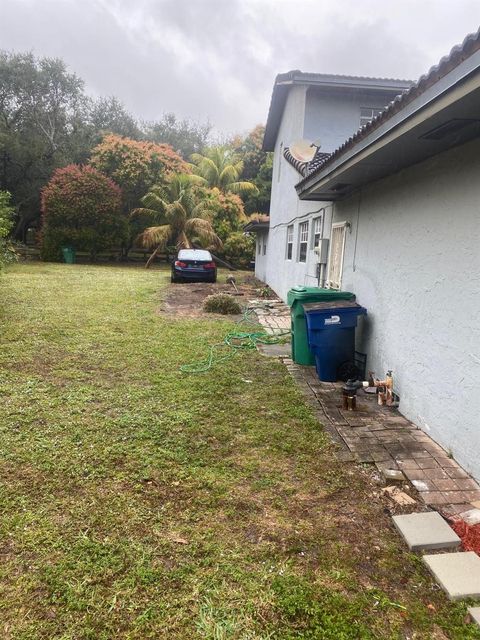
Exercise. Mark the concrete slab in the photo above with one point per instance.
(475, 614)
(457, 573)
(426, 531)
(393, 475)
(275, 350)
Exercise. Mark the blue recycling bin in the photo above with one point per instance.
(331, 335)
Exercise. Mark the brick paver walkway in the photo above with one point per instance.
(381, 435)
(273, 315)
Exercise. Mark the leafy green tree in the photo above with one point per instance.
(260, 202)
(180, 217)
(219, 167)
(108, 115)
(227, 211)
(249, 149)
(41, 105)
(96, 119)
(239, 249)
(83, 208)
(185, 136)
(7, 254)
(257, 168)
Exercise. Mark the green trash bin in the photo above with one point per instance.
(68, 254)
(296, 297)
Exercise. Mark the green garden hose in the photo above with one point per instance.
(234, 342)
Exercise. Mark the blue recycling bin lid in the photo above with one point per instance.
(339, 314)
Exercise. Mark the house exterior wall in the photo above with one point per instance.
(281, 274)
(412, 257)
(261, 251)
(331, 116)
(334, 116)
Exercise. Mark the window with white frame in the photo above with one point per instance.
(264, 247)
(302, 241)
(335, 258)
(317, 231)
(367, 114)
(289, 252)
(259, 245)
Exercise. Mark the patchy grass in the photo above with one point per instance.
(137, 502)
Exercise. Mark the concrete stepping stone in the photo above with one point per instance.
(457, 573)
(275, 350)
(426, 531)
(475, 614)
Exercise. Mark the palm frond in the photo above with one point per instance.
(242, 187)
(202, 210)
(155, 236)
(196, 180)
(196, 158)
(206, 168)
(228, 175)
(176, 214)
(152, 200)
(205, 232)
(142, 211)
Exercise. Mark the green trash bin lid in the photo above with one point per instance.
(315, 294)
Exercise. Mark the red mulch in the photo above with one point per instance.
(469, 534)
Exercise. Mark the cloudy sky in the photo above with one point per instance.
(216, 60)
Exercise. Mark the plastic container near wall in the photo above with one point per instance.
(331, 335)
(296, 298)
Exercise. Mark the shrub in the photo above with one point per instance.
(81, 207)
(222, 303)
(239, 249)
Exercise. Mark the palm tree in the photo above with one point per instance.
(221, 168)
(180, 218)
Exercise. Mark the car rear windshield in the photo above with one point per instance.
(194, 254)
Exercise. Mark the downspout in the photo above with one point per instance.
(322, 266)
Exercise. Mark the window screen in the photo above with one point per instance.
(303, 241)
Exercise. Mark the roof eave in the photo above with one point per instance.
(468, 69)
(463, 59)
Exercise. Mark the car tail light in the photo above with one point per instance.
(179, 263)
(209, 265)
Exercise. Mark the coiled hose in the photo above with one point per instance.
(235, 341)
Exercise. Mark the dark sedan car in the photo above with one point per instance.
(195, 265)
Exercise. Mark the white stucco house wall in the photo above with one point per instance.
(404, 195)
(311, 107)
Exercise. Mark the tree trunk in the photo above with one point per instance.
(217, 259)
(223, 262)
(152, 257)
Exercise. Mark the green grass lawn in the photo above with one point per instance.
(138, 502)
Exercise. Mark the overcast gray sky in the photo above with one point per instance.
(217, 59)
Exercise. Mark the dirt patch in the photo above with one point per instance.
(186, 299)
